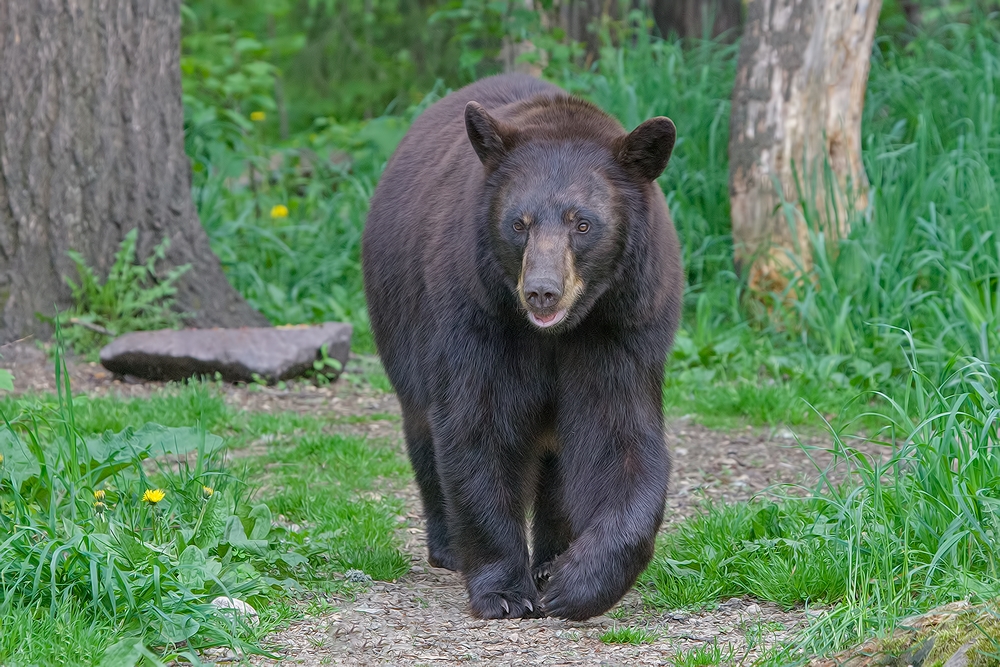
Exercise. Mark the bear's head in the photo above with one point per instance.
(565, 187)
(563, 195)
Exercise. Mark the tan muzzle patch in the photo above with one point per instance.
(546, 248)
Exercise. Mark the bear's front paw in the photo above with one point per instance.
(579, 589)
(502, 590)
(509, 604)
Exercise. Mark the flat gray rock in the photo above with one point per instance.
(272, 353)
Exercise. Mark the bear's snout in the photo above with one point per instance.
(543, 292)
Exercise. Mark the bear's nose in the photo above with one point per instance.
(543, 294)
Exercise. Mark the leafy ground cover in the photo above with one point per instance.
(124, 519)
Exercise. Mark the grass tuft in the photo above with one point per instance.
(623, 634)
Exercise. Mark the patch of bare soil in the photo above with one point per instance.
(421, 619)
(34, 373)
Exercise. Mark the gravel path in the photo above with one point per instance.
(421, 619)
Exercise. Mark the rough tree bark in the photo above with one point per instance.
(687, 18)
(800, 88)
(91, 146)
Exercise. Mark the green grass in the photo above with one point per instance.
(706, 655)
(63, 635)
(624, 634)
(894, 538)
(87, 563)
(318, 482)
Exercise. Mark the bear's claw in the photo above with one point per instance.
(496, 605)
(542, 574)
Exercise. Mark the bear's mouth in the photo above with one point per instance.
(547, 321)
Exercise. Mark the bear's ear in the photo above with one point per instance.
(489, 137)
(646, 150)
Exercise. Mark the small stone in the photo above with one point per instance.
(238, 355)
(239, 607)
(753, 609)
(357, 577)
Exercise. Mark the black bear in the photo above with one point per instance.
(524, 285)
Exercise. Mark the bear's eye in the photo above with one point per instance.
(518, 226)
(583, 226)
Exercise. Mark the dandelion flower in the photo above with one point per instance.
(1, 459)
(99, 508)
(153, 496)
(207, 491)
(99, 495)
(258, 116)
(279, 211)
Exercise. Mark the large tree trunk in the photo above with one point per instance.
(92, 146)
(800, 88)
(688, 18)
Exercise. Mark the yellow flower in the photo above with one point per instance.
(1, 459)
(99, 494)
(258, 116)
(279, 211)
(153, 496)
(207, 492)
(99, 508)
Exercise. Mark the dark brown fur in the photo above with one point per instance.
(487, 214)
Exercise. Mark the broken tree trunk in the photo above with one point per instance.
(92, 146)
(797, 102)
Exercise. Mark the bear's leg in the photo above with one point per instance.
(420, 447)
(487, 479)
(550, 528)
(615, 466)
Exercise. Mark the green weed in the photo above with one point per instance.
(133, 297)
(623, 634)
(705, 655)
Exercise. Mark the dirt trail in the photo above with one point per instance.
(421, 619)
